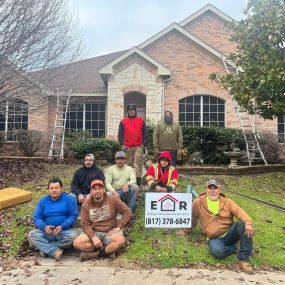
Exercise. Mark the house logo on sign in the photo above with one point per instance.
(168, 203)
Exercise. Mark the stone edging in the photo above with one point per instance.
(229, 171)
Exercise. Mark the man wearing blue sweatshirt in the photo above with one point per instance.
(54, 216)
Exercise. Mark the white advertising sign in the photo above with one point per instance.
(168, 210)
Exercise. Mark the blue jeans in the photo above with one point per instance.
(49, 244)
(222, 247)
(130, 197)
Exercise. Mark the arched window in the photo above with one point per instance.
(202, 110)
(13, 116)
(281, 128)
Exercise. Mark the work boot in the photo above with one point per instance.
(246, 267)
(84, 256)
(237, 245)
(139, 181)
(112, 256)
(42, 254)
(58, 254)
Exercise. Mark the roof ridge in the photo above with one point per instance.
(208, 7)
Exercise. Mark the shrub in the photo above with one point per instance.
(71, 137)
(102, 148)
(211, 142)
(150, 127)
(31, 141)
(270, 147)
(2, 138)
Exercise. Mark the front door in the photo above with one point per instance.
(137, 98)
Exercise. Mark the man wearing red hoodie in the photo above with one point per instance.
(132, 136)
(162, 176)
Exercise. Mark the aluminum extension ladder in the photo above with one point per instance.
(57, 142)
(253, 149)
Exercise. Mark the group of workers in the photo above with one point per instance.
(101, 197)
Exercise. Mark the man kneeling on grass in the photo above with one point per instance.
(216, 212)
(101, 235)
(54, 216)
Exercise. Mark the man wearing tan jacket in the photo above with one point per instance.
(216, 213)
(102, 235)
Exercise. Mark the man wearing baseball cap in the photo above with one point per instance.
(102, 235)
(121, 181)
(216, 213)
(132, 136)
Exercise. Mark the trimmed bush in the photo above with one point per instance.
(270, 147)
(2, 138)
(31, 141)
(103, 149)
(211, 142)
(150, 128)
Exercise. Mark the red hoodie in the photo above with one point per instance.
(169, 177)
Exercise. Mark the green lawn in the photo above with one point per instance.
(161, 247)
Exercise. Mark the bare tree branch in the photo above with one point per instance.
(35, 37)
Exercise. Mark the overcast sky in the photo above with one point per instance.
(113, 25)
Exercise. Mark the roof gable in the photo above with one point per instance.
(208, 7)
(108, 69)
(187, 34)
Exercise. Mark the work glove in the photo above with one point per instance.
(169, 189)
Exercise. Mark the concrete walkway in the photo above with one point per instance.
(70, 271)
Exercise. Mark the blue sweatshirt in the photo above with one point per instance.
(61, 212)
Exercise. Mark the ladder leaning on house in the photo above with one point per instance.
(253, 149)
(57, 142)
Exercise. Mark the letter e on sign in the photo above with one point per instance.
(153, 205)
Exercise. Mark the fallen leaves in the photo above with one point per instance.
(19, 172)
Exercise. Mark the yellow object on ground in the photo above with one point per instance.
(13, 196)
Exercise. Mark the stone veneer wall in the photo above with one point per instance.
(134, 76)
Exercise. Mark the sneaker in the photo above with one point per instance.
(58, 254)
(246, 267)
(84, 256)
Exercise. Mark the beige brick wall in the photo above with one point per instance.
(38, 114)
(213, 30)
(190, 66)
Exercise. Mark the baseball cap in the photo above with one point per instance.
(131, 107)
(97, 182)
(213, 182)
(120, 154)
(167, 111)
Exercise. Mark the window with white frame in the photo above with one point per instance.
(202, 110)
(13, 116)
(87, 116)
(281, 128)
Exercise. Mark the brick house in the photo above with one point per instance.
(169, 71)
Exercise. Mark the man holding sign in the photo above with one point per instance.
(216, 213)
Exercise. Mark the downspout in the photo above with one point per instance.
(162, 101)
